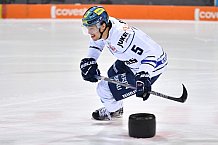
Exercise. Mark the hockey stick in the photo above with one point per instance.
(181, 99)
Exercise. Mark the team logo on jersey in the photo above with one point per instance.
(112, 48)
(123, 39)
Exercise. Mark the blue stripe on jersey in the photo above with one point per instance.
(160, 68)
(144, 61)
(162, 54)
(150, 56)
(95, 48)
(163, 60)
(150, 62)
(155, 63)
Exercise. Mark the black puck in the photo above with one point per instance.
(142, 125)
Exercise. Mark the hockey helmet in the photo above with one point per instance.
(95, 16)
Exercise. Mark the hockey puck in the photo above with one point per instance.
(142, 125)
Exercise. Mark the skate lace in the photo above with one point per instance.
(104, 113)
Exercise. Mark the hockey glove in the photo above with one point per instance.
(89, 68)
(143, 85)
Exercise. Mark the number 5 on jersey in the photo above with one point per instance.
(137, 50)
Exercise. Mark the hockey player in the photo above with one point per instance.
(140, 60)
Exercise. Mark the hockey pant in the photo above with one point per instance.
(111, 95)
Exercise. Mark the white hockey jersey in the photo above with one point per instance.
(132, 46)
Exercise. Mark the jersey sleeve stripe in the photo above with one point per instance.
(150, 64)
(148, 61)
(95, 48)
(150, 57)
(160, 67)
(161, 55)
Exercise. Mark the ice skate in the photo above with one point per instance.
(104, 114)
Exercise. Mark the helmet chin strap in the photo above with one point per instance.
(102, 32)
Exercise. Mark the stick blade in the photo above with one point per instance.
(184, 94)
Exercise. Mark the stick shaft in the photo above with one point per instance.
(182, 99)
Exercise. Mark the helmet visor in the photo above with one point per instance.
(89, 30)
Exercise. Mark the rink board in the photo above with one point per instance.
(120, 11)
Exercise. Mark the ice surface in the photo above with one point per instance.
(44, 101)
